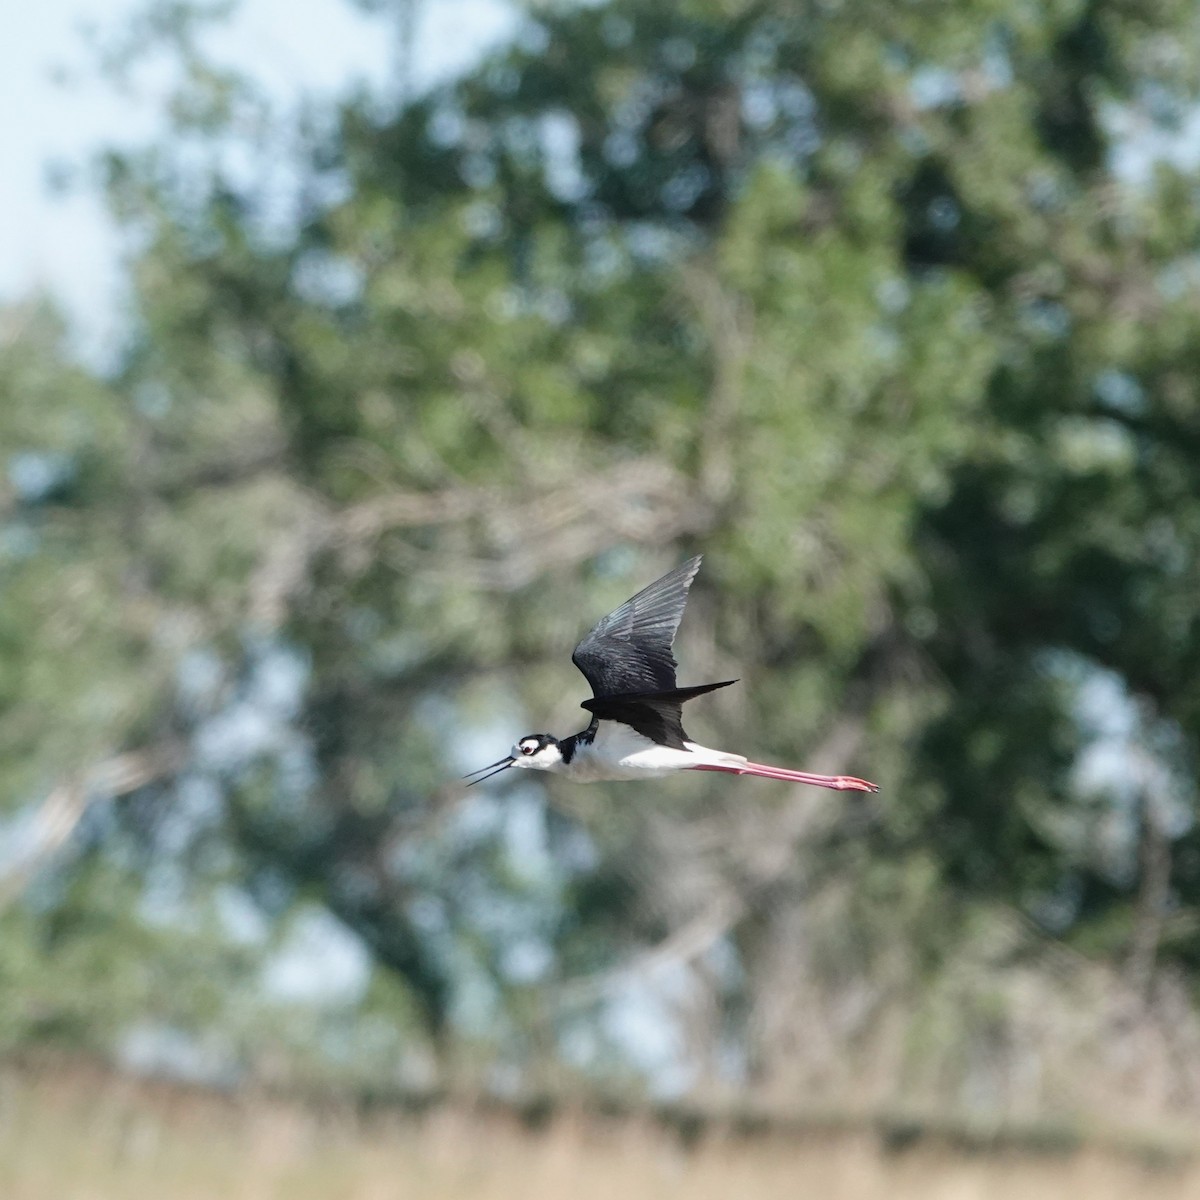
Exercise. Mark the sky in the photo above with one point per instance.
(58, 111)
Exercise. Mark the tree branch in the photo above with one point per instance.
(64, 807)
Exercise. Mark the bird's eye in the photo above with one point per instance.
(526, 749)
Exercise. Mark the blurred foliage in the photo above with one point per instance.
(890, 311)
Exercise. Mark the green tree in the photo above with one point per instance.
(859, 300)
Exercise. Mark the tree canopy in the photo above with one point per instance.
(884, 309)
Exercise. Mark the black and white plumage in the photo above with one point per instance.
(636, 731)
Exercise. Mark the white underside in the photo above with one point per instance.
(619, 752)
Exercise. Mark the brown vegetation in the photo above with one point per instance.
(83, 1134)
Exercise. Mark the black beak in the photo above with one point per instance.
(492, 768)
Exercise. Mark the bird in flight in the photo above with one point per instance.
(636, 731)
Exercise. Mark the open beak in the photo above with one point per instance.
(492, 769)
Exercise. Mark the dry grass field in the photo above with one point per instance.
(80, 1135)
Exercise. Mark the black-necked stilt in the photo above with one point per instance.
(636, 730)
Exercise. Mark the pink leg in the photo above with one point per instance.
(840, 783)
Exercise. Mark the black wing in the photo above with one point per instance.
(656, 715)
(629, 651)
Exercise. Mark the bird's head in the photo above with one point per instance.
(537, 752)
